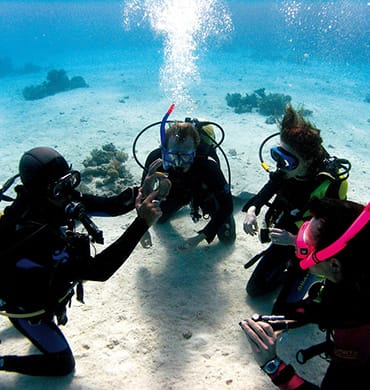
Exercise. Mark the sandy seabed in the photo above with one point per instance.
(166, 319)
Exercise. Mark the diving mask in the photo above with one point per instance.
(284, 159)
(309, 256)
(65, 184)
(172, 159)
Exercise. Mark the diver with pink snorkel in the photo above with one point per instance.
(334, 245)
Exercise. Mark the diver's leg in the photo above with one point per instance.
(169, 207)
(295, 287)
(270, 271)
(56, 358)
(226, 232)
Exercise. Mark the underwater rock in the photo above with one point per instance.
(270, 120)
(105, 172)
(261, 92)
(187, 335)
(57, 81)
(304, 112)
(272, 104)
(233, 152)
(241, 103)
(77, 82)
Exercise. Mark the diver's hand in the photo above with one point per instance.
(157, 181)
(191, 243)
(146, 240)
(281, 237)
(250, 224)
(148, 209)
(262, 339)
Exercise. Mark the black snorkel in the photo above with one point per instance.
(5, 187)
(199, 126)
(263, 163)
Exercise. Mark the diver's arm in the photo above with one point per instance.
(105, 264)
(250, 224)
(112, 205)
(217, 185)
(152, 156)
(219, 217)
(262, 339)
(265, 194)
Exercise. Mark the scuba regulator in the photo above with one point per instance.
(76, 211)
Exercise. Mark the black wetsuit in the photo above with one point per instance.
(204, 187)
(342, 310)
(41, 264)
(287, 210)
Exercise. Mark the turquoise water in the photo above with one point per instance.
(334, 31)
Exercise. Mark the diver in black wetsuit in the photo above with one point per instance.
(197, 180)
(304, 170)
(43, 258)
(334, 245)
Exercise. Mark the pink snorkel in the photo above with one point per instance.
(340, 243)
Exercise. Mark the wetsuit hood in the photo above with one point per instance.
(41, 166)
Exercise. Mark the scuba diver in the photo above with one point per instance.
(188, 158)
(44, 259)
(304, 170)
(333, 244)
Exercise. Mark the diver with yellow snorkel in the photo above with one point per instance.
(304, 170)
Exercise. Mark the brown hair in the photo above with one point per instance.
(336, 216)
(182, 131)
(301, 135)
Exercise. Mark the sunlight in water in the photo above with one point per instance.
(186, 27)
(326, 21)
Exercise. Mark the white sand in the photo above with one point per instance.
(130, 333)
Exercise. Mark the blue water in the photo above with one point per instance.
(171, 51)
(334, 31)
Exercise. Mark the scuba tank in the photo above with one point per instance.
(206, 133)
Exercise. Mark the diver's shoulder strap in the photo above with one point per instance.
(322, 190)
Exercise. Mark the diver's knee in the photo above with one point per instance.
(64, 363)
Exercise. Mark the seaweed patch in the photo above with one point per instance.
(105, 172)
(56, 81)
